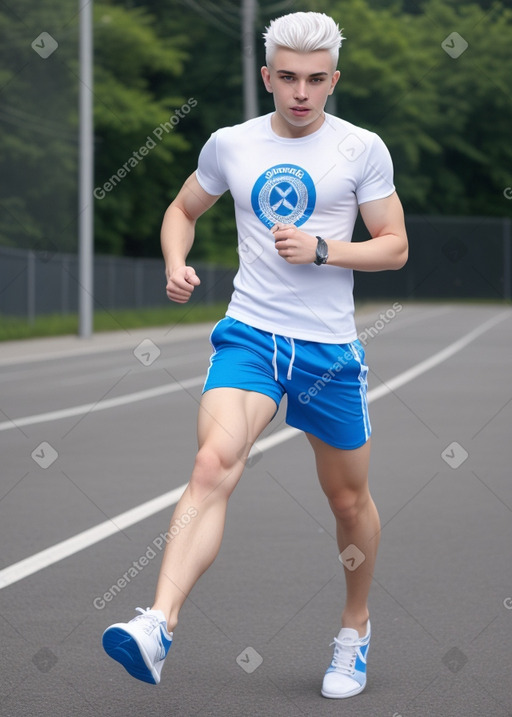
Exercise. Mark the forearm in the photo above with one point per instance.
(379, 254)
(177, 237)
(387, 249)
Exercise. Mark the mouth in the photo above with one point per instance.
(299, 111)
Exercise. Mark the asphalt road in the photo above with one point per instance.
(92, 429)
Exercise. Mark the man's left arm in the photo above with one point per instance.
(387, 248)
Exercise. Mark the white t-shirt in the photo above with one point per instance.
(315, 182)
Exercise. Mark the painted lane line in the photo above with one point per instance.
(66, 548)
(436, 359)
(101, 405)
(86, 538)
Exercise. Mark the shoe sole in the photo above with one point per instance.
(124, 648)
(334, 696)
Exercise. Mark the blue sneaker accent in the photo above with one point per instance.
(166, 643)
(360, 665)
(346, 675)
(140, 645)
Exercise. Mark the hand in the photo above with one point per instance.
(181, 283)
(294, 245)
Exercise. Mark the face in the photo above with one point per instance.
(301, 84)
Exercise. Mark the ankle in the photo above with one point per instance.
(356, 621)
(170, 619)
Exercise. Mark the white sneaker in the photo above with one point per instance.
(140, 645)
(346, 675)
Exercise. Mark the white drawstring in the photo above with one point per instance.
(274, 358)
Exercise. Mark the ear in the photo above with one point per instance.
(334, 81)
(265, 73)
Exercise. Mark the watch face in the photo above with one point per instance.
(321, 251)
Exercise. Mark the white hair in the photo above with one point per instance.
(303, 32)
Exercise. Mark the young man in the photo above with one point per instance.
(298, 177)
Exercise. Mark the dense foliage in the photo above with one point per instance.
(432, 77)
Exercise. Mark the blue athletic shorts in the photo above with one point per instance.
(325, 384)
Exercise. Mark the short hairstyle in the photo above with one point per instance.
(303, 32)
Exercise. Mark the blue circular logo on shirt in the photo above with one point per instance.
(284, 193)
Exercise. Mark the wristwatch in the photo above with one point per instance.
(322, 252)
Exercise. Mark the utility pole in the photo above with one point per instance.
(86, 178)
(249, 11)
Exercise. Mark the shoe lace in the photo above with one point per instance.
(345, 655)
(150, 621)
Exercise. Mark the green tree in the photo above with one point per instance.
(442, 107)
(39, 116)
(473, 108)
(212, 73)
(38, 147)
(138, 121)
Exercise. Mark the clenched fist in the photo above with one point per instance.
(294, 245)
(181, 283)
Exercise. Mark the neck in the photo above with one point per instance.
(284, 129)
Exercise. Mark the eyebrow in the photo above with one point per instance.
(313, 74)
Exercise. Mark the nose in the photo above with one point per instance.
(301, 91)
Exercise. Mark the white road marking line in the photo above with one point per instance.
(86, 538)
(66, 548)
(437, 358)
(101, 405)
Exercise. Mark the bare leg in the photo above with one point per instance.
(229, 422)
(343, 475)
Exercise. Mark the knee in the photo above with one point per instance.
(212, 472)
(347, 506)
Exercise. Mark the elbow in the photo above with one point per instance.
(401, 259)
(401, 256)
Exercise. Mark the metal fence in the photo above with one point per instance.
(450, 258)
(34, 283)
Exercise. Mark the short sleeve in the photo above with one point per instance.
(377, 179)
(208, 172)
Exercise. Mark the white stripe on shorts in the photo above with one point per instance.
(363, 387)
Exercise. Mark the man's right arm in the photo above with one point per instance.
(177, 237)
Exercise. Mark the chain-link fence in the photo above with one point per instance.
(34, 283)
(450, 258)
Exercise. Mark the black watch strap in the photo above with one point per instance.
(322, 252)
